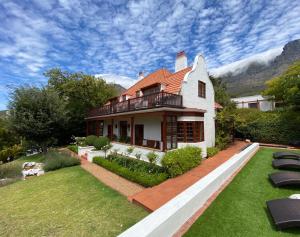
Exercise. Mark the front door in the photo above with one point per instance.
(123, 129)
(139, 134)
(109, 131)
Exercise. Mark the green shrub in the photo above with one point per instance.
(211, 151)
(152, 157)
(73, 148)
(130, 150)
(138, 155)
(222, 140)
(137, 171)
(11, 153)
(55, 160)
(10, 170)
(90, 140)
(281, 127)
(101, 142)
(181, 160)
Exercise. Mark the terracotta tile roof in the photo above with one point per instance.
(171, 81)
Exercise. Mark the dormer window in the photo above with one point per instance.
(138, 93)
(123, 97)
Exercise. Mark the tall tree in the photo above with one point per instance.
(38, 114)
(80, 92)
(221, 95)
(286, 87)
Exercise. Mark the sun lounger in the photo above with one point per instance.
(286, 155)
(285, 212)
(285, 178)
(286, 164)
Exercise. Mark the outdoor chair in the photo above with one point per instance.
(286, 155)
(286, 164)
(285, 178)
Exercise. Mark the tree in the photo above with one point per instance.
(286, 87)
(80, 92)
(8, 137)
(38, 115)
(221, 95)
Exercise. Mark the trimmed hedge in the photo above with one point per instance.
(211, 151)
(179, 161)
(101, 142)
(281, 127)
(90, 140)
(73, 148)
(55, 160)
(141, 172)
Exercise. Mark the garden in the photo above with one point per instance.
(240, 210)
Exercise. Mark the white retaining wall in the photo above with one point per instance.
(168, 219)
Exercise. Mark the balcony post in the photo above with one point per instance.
(164, 132)
(131, 131)
(128, 105)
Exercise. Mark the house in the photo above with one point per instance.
(260, 102)
(162, 111)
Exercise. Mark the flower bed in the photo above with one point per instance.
(138, 171)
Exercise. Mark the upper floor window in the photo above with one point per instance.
(123, 97)
(151, 89)
(201, 89)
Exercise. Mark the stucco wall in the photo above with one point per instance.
(152, 127)
(189, 92)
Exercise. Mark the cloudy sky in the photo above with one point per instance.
(124, 37)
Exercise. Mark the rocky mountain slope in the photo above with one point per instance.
(251, 80)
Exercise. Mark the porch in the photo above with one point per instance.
(160, 130)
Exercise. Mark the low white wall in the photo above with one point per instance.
(168, 219)
(83, 150)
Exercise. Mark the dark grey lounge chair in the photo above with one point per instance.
(286, 155)
(285, 178)
(285, 212)
(286, 164)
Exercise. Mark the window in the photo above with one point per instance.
(123, 97)
(201, 89)
(190, 131)
(171, 132)
(151, 90)
(253, 105)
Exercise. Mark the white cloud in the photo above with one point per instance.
(241, 65)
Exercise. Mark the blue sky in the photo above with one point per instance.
(124, 37)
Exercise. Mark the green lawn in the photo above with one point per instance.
(67, 202)
(240, 210)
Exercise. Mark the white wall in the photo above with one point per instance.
(168, 219)
(189, 92)
(264, 103)
(152, 127)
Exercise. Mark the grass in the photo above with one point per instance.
(66, 202)
(240, 210)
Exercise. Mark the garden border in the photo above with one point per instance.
(169, 218)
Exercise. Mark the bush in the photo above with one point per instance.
(10, 170)
(90, 140)
(222, 140)
(101, 142)
(181, 160)
(152, 157)
(211, 151)
(10, 153)
(73, 148)
(281, 127)
(137, 171)
(55, 160)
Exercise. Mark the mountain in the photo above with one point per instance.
(249, 79)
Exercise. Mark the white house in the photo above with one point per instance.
(162, 111)
(260, 102)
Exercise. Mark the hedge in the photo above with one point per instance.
(55, 160)
(281, 127)
(179, 161)
(134, 170)
(211, 151)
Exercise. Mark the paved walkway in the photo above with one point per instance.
(123, 186)
(155, 197)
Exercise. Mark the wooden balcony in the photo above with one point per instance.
(156, 100)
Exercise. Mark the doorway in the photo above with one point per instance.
(123, 129)
(139, 134)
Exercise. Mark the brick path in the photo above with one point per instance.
(123, 186)
(155, 197)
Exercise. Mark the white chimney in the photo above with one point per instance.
(181, 61)
(141, 75)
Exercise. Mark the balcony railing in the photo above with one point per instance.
(156, 100)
